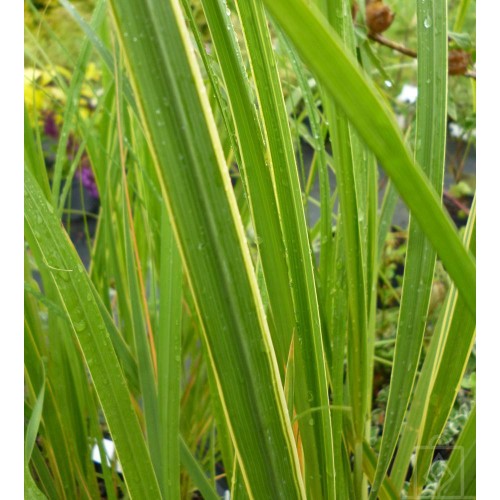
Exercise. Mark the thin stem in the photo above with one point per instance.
(398, 47)
(377, 37)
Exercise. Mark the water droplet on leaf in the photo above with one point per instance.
(80, 326)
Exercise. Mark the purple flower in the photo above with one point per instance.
(84, 172)
(87, 177)
(50, 128)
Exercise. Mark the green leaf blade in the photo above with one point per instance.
(202, 209)
(420, 257)
(311, 389)
(44, 232)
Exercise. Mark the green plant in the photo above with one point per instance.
(207, 328)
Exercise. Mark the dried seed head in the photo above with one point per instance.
(378, 16)
(458, 60)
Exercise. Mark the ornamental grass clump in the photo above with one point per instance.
(215, 336)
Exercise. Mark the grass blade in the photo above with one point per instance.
(256, 174)
(461, 13)
(141, 324)
(455, 328)
(44, 232)
(98, 44)
(420, 257)
(459, 478)
(311, 378)
(31, 490)
(320, 162)
(386, 214)
(196, 472)
(202, 209)
(169, 361)
(33, 154)
(351, 174)
(448, 369)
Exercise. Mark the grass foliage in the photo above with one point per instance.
(217, 335)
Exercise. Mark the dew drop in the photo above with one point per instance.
(427, 22)
(80, 326)
(64, 275)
